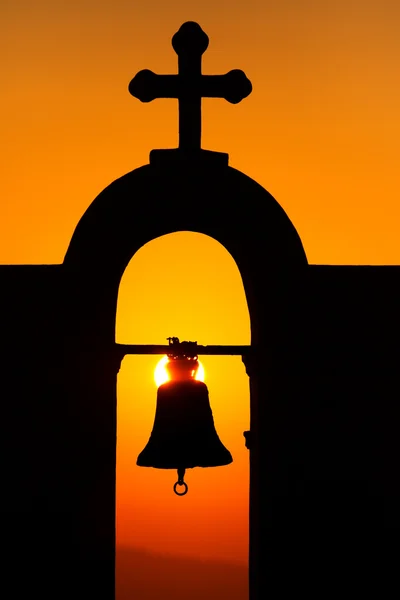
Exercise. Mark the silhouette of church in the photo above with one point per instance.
(324, 383)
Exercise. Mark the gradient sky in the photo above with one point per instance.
(195, 294)
(320, 131)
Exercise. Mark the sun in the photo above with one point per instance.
(161, 375)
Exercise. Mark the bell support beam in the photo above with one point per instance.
(125, 349)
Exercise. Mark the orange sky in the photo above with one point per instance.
(320, 131)
(198, 297)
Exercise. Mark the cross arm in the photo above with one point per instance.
(233, 86)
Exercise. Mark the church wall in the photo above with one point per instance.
(330, 448)
(325, 489)
(31, 342)
(58, 474)
(34, 493)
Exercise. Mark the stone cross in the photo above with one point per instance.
(189, 86)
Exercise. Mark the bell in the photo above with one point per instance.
(183, 435)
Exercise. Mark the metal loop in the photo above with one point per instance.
(185, 486)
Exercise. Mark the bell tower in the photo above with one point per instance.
(258, 235)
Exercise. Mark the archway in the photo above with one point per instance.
(149, 202)
(184, 283)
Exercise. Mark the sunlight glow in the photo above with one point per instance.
(161, 375)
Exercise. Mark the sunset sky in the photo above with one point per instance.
(320, 131)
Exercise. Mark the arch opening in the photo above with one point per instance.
(186, 285)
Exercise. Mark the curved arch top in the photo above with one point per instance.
(155, 200)
(151, 201)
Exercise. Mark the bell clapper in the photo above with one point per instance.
(180, 482)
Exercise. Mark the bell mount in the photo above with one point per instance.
(176, 348)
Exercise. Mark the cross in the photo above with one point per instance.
(189, 86)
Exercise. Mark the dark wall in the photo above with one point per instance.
(324, 394)
(57, 444)
(33, 425)
(30, 352)
(330, 445)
